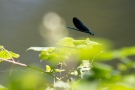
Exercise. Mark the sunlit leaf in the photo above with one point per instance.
(67, 47)
(48, 68)
(78, 42)
(8, 54)
(88, 42)
(44, 55)
(66, 42)
(14, 55)
(41, 48)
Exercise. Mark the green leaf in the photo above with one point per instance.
(5, 55)
(88, 42)
(48, 68)
(103, 67)
(66, 47)
(14, 55)
(85, 42)
(44, 55)
(66, 42)
(127, 51)
(41, 48)
(102, 71)
(8, 54)
(119, 53)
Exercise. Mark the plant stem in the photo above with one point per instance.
(21, 64)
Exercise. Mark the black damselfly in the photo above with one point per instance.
(80, 26)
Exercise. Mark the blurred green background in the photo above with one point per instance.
(21, 21)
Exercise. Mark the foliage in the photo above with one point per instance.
(67, 47)
(92, 73)
(5, 54)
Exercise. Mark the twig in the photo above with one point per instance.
(17, 63)
(21, 64)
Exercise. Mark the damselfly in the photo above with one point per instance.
(80, 26)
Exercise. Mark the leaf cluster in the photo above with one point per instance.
(93, 71)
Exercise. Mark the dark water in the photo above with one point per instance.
(20, 21)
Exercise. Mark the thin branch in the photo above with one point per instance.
(21, 64)
(11, 61)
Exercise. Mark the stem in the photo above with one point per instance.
(18, 63)
(24, 65)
